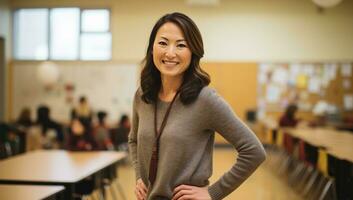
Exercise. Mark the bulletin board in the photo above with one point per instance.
(108, 86)
(305, 84)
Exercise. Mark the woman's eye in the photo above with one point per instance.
(181, 45)
(162, 43)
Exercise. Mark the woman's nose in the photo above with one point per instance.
(170, 52)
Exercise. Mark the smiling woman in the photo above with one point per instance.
(175, 117)
(171, 54)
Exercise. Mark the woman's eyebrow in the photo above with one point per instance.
(180, 40)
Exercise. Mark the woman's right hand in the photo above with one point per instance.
(140, 190)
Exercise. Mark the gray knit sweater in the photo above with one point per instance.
(186, 145)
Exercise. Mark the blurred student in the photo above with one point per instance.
(24, 120)
(45, 133)
(22, 125)
(289, 119)
(120, 135)
(101, 133)
(84, 112)
(80, 138)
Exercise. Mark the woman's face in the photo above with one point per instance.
(171, 53)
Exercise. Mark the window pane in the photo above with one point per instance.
(96, 46)
(95, 20)
(64, 33)
(31, 34)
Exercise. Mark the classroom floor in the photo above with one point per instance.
(262, 185)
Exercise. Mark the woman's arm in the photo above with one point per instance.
(251, 152)
(133, 137)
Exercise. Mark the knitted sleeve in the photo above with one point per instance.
(133, 137)
(250, 151)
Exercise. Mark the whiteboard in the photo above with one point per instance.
(109, 87)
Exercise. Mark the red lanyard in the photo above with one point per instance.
(155, 149)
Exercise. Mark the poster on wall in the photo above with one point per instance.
(273, 93)
(346, 70)
(314, 85)
(348, 102)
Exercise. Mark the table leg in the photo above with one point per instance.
(69, 192)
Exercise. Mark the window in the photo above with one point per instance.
(62, 34)
(31, 34)
(95, 38)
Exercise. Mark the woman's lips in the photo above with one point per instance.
(168, 62)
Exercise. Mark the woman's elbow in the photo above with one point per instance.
(261, 155)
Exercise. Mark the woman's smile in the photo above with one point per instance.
(171, 54)
(170, 63)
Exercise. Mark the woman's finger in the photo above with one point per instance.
(142, 192)
(182, 193)
(187, 197)
(138, 195)
(143, 186)
(182, 187)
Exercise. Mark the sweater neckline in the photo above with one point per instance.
(163, 102)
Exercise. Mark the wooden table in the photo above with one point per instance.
(29, 192)
(337, 143)
(56, 167)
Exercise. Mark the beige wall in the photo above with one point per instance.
(251, 30)
(5, 33)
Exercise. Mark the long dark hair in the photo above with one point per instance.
(290, 111)
(194, 78)
(43, 118)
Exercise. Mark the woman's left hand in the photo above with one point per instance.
(188, 192)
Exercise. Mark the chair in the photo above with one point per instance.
(325, 183)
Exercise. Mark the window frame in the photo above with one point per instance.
(81, 9)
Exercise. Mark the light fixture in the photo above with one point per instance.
(48, 73)
(203, 2)
(326, 3)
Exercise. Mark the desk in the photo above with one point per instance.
(29, 192)
(337, 143)
(56, 167)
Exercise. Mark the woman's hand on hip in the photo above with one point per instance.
(140, 190)
(188, 192)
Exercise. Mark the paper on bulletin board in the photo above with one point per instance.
(264, 67)
(314, 85)
(348, 102)
(309, 69)
(302, 81)
(326, 76)
(294, 71)
(330, 71)
(346, 84)
(280, 75)
(262, 78)
(273, 93)
(346, 70)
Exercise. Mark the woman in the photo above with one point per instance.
(175, 116)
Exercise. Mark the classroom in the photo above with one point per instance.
(176, 99)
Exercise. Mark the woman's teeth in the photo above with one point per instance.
(170, 62)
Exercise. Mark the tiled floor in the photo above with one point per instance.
(262, 185)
